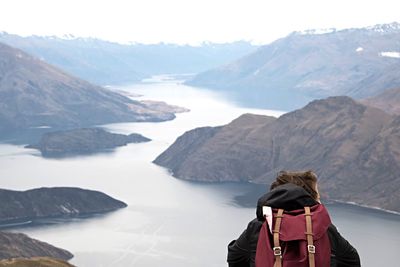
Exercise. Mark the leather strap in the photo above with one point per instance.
(309, 235)
(277, 247)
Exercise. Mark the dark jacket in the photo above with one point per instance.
(242, 252)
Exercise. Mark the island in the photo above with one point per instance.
(164, 107)
(28, 207)
(83, 141)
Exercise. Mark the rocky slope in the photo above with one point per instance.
(36, 94)
(355, 150)
(16, 245)
(294, 70)
(388, 101)
(83, 141)
(104, 62)
(31, 205)
(34, 262)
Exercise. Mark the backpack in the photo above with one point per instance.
(299, 238)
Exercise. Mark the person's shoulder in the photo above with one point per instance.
(254, 224)
(253, 229)
(334, 234)
(341, 249)
(332, 228)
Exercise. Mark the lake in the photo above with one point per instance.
(168, 222)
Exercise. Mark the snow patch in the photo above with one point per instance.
(316, 31)
(391, 54)
(359, 49)
(65, 209)
(379, 28)
(41, 127)
(256, 72)
(385, 28)
(68, 37)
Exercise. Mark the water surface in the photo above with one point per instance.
(168, 222)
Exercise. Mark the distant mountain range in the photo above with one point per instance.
(290, 72)
(388, 101)
(104, 62)
(355, 150)
(35, 94)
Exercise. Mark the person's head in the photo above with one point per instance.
(304, 179)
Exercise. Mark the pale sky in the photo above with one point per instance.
(189, 21)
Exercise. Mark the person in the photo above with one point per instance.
(290, 191)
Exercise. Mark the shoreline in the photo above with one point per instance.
(247, 198)
(51, 220)
(351, 203)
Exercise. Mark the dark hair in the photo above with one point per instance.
(304, 179)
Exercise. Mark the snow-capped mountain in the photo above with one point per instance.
(105, 62)
(292, 71)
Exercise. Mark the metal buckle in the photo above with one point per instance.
(311, 249)
(277, 251)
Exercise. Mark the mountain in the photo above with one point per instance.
(355, 150)
(35, 94)
(42, 203)
(292, 71)
(388, 101)
(34, 262)
(16, 245)
(104, 62)
(83, 141)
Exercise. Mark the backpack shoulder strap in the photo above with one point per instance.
(277, 247)
(309, 235)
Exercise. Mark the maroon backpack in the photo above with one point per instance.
(299, 238)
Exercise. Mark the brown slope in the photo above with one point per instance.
(192, 151)
(34, 262)
(34, 93)
(379, 165)
(388, 101)
(16, 245)
(345, 142)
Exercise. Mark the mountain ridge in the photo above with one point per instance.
(294, 70)
(351, 146)
(105, 62)
(381, 28)
(389, 101)
(35, 94)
